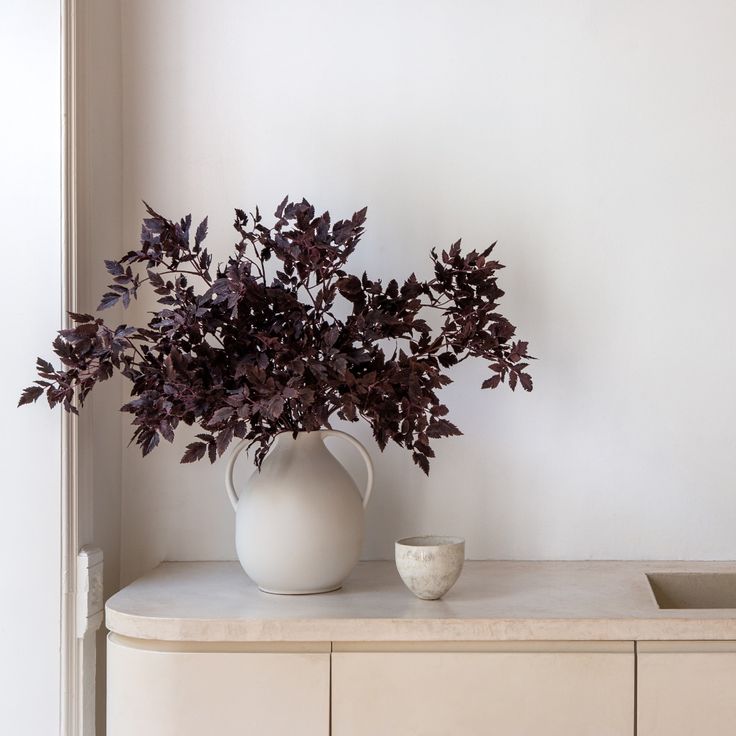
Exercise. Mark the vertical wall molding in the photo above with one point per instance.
(92, 230)
(70, 659)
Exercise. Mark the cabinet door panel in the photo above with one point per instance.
(191, 693)
(481, 693)
(686, 689)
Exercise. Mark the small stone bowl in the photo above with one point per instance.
(430, 566)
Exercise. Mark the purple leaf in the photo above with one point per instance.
(114, 268)
(195, 451)
(110, 299)
(421, 461)
(76, 317)
(491, 382)
(30, 394)
(201, 233)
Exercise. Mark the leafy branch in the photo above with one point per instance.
(257, 349)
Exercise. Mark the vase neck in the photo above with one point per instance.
(303, 440)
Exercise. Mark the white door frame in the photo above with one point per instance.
(81, 574)
(71, 697)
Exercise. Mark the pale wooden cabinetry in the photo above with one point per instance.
(514, 689)
(432, 689)
(686, 689)
(516, 649)
(159, 689)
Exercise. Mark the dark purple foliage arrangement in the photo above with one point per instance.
(247, 354)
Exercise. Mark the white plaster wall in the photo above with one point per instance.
(594, 140)
(30, 301)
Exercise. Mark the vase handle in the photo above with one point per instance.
(232, 494)
(363, 453)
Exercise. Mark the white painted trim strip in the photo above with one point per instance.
(686, 647)
(258, 647)
(70, 659)
(516, 647)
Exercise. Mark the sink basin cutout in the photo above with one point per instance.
(693, 589)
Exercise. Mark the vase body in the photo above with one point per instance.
(299, 521)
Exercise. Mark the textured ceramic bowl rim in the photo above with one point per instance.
(430, 540)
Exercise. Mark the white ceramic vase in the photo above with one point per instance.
(299, 521)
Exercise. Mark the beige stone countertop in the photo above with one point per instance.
(492, 601)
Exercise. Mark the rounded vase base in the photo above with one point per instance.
(299, 592)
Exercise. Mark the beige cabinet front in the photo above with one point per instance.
(686, 689)
(559, 689)
(156, 690)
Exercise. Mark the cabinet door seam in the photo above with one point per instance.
(636, 688)
(329, 704)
